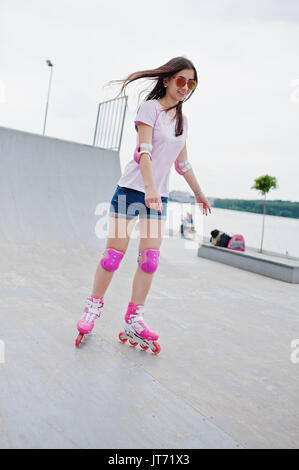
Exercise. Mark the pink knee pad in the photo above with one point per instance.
(111, 261)
(149, 260)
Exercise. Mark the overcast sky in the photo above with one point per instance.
(243, 118)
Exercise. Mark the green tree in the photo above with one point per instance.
(263, 184)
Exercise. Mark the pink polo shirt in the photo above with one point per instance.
(166, 148)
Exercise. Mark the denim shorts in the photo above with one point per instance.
(129, 204)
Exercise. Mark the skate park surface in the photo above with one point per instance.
(224, 377)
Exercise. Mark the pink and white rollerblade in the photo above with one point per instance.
(92, 311)
(136, 330)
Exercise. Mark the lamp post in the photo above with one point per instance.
(50, 65)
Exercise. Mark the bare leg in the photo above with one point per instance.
(151, 236)
(120, 230)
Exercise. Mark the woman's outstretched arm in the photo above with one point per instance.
(191, 179)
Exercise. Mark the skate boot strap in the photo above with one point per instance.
(140, 310)
(98, 303)
(92, 310)
(138, 316)
(137, 319)
(91, 315)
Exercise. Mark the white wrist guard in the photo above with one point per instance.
(182, 167)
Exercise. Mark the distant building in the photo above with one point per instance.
(181, 196)
(185, 197)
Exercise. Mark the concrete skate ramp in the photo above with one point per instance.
(224, 377)
(50, 188)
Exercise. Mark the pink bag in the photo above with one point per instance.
(237, 243)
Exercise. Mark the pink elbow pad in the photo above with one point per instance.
(182, 167)
(146, 148)
(137, 154)
(176, 164)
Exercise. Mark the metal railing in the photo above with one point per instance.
(110, 123)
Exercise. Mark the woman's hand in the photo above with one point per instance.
(153, 199)
(203, 203)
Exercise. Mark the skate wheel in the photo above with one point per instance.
(123, 340)
(132, 344)
(143, 347)
(157, 348)
(79, 339)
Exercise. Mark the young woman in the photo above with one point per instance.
(143, 191)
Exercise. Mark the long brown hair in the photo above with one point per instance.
(167, 70)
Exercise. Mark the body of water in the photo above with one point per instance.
(281, 234)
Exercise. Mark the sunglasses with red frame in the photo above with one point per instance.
(181, 82)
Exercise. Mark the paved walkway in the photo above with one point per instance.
(224, 377)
